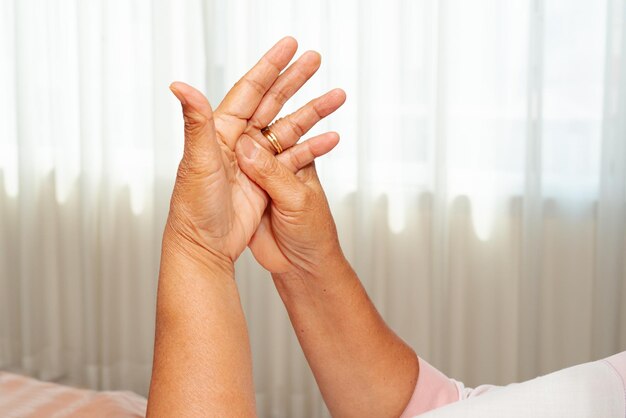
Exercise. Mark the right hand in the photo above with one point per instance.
(297, 233)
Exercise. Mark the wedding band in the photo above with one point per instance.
(272, 139)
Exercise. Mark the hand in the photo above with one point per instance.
(215, 206)
(297, 233)
(355, 357)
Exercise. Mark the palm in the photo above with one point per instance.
(237, 201)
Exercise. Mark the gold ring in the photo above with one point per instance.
(272, 139)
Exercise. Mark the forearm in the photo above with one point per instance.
(361, 366)
(202, 362)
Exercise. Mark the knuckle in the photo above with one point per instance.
(319, 114)
(185, 171)
(280, 96)
(196, 121)
(253, 124)
(294, 126)
(188, 172)
(297, 160)
(269, 167)
(254, 84)
(272, 64)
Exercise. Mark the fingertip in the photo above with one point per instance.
(340, 94)
(289, 41)
(312, 57)
(334, 135)
(180, 87)
(324, 143)
(190, 97)
(285, 49)
(330, 102)
(174, 88)
(175, 84)
(333, 139)
(282, 52)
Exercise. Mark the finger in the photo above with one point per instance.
(200, 140)
(291, 128)
(303, 154)
(243, 99)
(287, 84)
(282, 186)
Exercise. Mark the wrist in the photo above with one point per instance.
(318, 258)
(178, 249)
(332, 270)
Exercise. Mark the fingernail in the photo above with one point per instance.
(249, 147)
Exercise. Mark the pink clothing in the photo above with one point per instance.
(434, 389)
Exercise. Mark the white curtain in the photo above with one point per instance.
(479, 187)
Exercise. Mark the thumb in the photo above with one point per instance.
(282, 186)
(200, 140)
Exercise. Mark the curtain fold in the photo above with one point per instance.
(479, 187)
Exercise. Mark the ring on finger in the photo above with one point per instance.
(272, 138)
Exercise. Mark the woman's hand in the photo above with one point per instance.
(215, 206)
(202, 359)
(297, 233)
(361, 367)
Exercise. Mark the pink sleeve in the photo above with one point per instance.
(433, 390)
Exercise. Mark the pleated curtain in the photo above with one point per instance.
(479, 186)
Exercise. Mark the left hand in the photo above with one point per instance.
(215, 206)
(297, 236)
